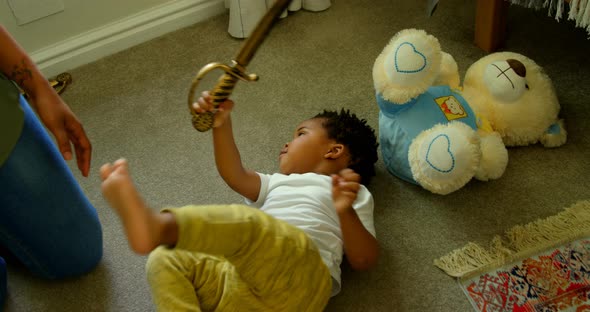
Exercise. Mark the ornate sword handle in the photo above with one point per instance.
(221, 92)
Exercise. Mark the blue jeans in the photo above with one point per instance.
(45, 219)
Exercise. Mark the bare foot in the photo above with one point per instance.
(142, 226)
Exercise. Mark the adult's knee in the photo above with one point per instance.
(91, 248)
(76, 254)
(2, 281)
(59, 251)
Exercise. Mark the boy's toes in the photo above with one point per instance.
(121, 162)
(105, 171)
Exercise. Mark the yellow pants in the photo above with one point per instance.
(237, 258)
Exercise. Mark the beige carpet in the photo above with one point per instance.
(133, 106)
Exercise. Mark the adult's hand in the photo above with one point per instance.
(66, 128)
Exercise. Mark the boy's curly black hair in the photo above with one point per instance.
(347, 129)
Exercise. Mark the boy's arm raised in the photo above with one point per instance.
(227, 156)
(229, 163)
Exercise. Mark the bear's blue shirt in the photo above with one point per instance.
(399, 125)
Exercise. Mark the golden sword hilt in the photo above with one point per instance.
(221, 92)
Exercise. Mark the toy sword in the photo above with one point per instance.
(227, 82)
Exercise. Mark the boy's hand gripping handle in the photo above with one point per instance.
(225, 84)
(220, 93)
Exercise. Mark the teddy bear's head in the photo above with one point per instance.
(514, 94)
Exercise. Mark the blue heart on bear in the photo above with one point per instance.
(413, 58)
(442, 162)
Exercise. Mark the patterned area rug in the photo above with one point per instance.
(558, 280)
(542, 266)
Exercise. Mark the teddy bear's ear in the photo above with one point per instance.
(407, 66)
(449, 72)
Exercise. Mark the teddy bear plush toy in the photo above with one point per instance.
(438, 134)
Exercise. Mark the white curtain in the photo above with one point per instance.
(245, 14)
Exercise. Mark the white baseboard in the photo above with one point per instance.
(111, 38)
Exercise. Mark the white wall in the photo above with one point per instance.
(87, 30)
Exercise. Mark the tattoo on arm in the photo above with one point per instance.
(21, 73)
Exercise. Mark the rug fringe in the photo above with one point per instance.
(579, 10)
(519, 242)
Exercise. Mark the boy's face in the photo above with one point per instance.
(307, 150)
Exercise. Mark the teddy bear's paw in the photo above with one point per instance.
(407, 66)
(555, 136)
(444, 158)
(494, 157)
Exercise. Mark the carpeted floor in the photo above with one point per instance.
(133, 105)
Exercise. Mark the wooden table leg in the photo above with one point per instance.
(490, 24)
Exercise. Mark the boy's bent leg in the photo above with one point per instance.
(46, 221)
(171, 274)
(278, 261)
(188, 281)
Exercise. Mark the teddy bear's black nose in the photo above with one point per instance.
(517, 66)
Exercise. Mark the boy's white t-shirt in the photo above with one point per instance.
(305, 201)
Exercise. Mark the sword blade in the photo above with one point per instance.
(260, 32)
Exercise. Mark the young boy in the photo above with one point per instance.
(284, 256)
